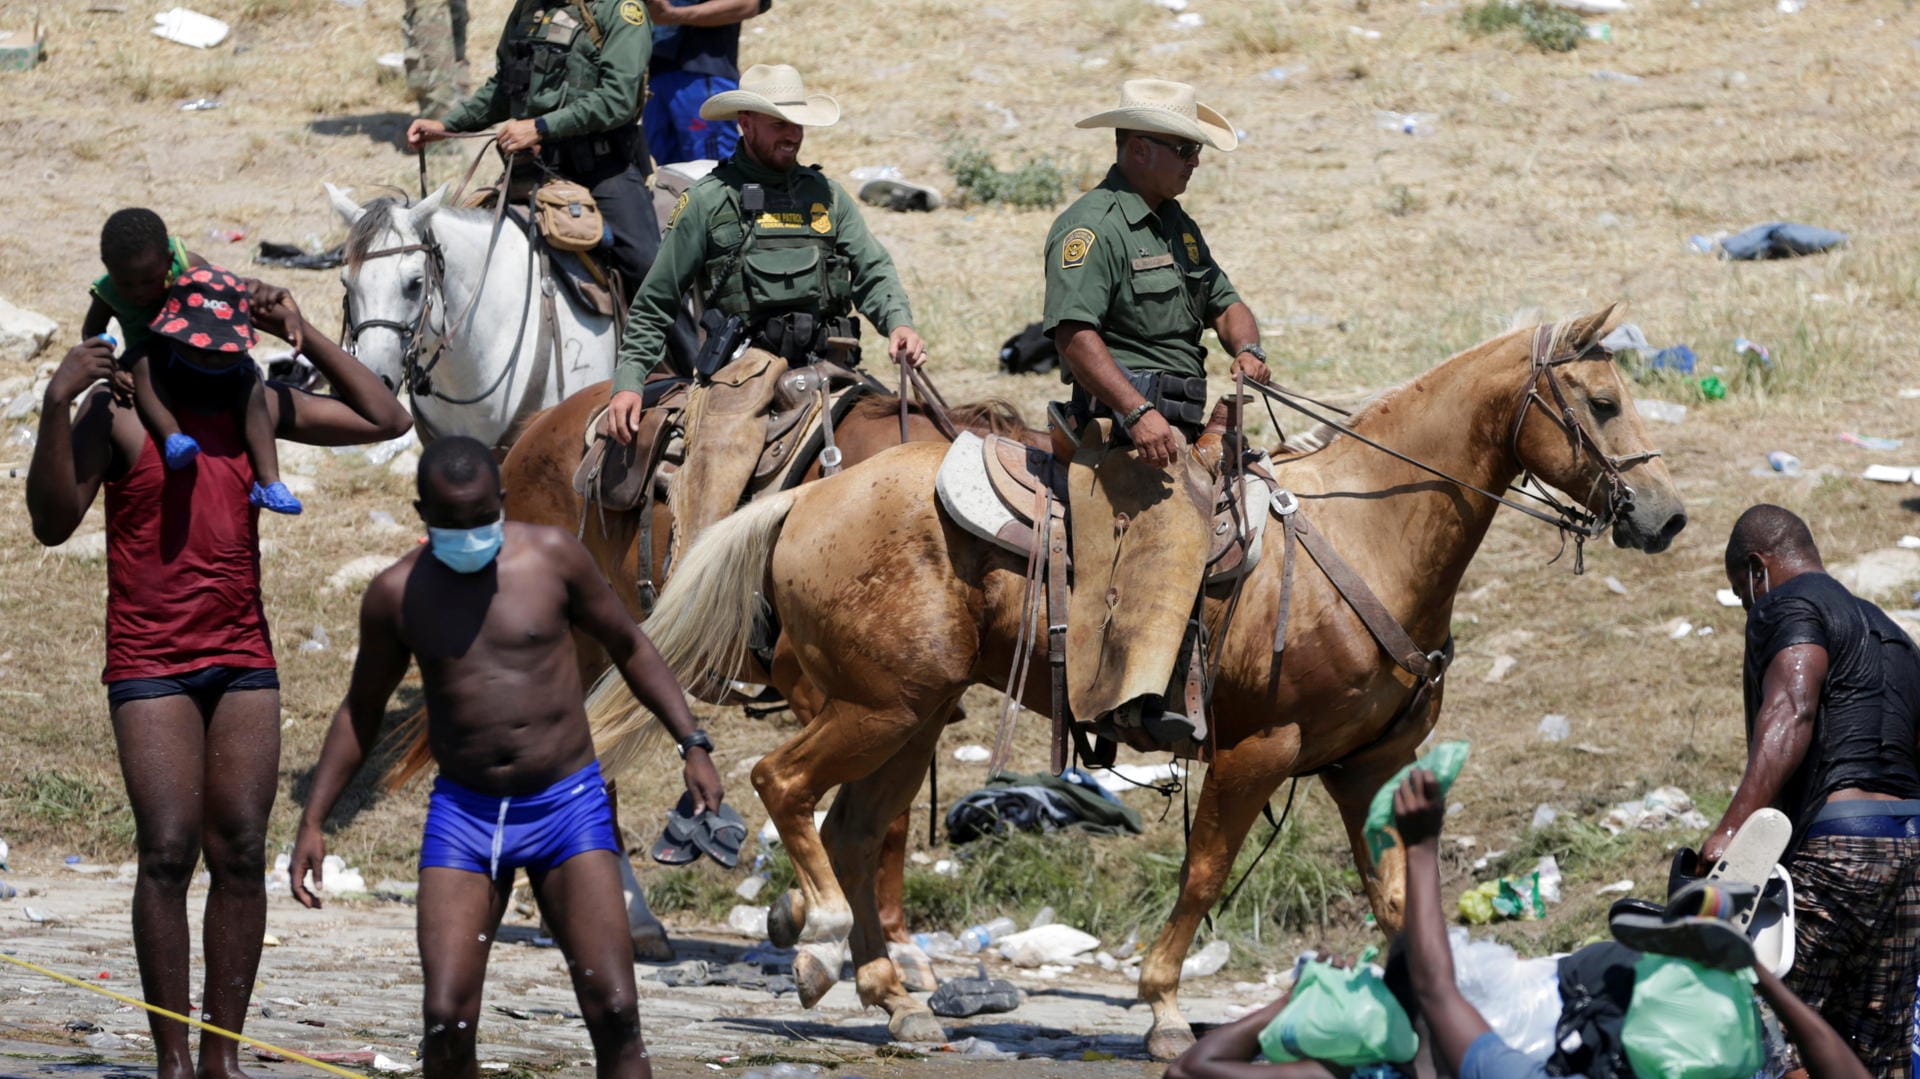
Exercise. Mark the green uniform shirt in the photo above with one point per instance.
(810, 251)
(549, 67)
(1145, 280)
(134, 320)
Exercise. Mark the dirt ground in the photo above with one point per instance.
(1546, 180)
(343, 978)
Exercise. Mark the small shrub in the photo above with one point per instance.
(1547, 28)
(1037, 183)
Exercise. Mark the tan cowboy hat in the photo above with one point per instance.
(775, 90)
(1169, 109)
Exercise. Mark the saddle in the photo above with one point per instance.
(587, 282)
(991, 485)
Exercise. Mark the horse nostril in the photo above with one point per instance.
(1673, 527)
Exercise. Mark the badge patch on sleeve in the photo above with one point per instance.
(1073, 250)
(818, 220)
(633, 12)
(1193, 247)
(678, 207)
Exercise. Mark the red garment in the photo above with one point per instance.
(183, 559)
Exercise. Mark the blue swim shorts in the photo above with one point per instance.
(482, 833)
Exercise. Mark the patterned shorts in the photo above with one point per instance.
(1857, 945)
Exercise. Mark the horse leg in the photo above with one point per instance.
(845, 742)
(1238, 783)
(856, 830)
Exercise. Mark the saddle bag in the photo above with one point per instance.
(567, 215)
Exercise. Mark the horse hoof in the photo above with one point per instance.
(785, 918)
(1168, 1042)
(917, 1028)
(811, 976)
(650, 945)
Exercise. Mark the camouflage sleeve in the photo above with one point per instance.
(683, 250)
(1080, 277)
(621, 67)
(877, 292)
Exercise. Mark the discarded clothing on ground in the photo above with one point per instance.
(273, 254)
(1779, 240)
(1039, 803)
(960, 998)
(697, 972)
(1029, 352)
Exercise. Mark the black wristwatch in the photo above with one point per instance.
(1258, 352)
(696, 739)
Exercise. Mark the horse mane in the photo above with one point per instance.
(992, 416)
(363, 237)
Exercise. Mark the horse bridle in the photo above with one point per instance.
(414, 375)
(1575, 521)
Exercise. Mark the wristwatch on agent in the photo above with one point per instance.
(1258, 352)
(696, 739)
(1127, 421)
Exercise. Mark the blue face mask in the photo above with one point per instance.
(467, 550)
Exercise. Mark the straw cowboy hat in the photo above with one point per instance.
(775, 90)
(1169, 109)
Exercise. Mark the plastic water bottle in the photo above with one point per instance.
(937, 943)
(1045, 917)
(1783, 462)
(977, 938)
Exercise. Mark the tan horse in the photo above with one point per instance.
(893, 611)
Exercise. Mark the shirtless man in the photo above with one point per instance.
(487, 608)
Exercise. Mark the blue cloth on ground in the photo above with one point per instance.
(483, 833)
(1489, 1057)
(1779, 240)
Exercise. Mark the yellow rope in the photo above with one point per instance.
(288, 1053)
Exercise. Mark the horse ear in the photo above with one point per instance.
(349, 210)
(418, 213)
(1588, 329)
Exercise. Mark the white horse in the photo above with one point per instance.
(413, 266)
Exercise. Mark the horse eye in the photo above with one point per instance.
(412, 287)
(1605, 408)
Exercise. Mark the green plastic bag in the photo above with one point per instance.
(1673, 1002)
(1444, 761)
(1344, 1017)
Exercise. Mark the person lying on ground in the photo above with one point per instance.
(488, 609)
(190, 674)
(1460, 1035)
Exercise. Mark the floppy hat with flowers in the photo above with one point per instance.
(206, 308)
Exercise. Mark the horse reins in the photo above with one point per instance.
(1571, 520)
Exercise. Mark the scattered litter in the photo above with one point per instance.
(1618, 887)
(1045, 916)
(1519, 998)
(38, 916)
(1703, 631)
(1908, 542)
(899, 194)
(270, 941)
(1547, 869)
(201, 104)
(1713, 389)
(1054, 943)
(20, 52)
(1407, 123)
(8, 891)
(384, 521)
(1281, 74)
(945, 867)
(384, 1063)
(1663, 807)
(1553, 728)
(270, 253)
(1008, 121)
(1887, 474)
(391, 63)
(1755, 352)
(1779, 239)
(1613, 585)
(1615, 76)
(1503, 899)
(1207, 961)
(1501, 665)
(1679, 628)
(1909, 393)
(1783, 462)
(105, 1041)
(1188, 20)
(317, 640)
(1599, 31)
(1790, 7)
(962, 998)
(1869, 442)
(1678, 359)
(978, 1048)
(1662, 411)
(191, 28)
(971, 754)
(72, 859)
(748, 921)
(1727, 597)
(1705, 244)
(1593, 7)
(337, 878)
(1172, 5)
(1543, 817)
(1125, 777)
(750, 887)
(939, 945)
(1361, 31)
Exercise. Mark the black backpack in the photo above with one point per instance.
(1596, 985)
(1029, 352)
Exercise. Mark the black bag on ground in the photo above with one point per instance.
(1029, 352)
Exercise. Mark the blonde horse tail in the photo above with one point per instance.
(702, 623)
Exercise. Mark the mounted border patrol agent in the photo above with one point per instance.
(783, 259)
(568, 90)
(1131, 287)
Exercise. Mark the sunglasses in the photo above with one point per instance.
(1185, 151)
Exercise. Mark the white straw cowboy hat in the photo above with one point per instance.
(775, 90)
(1167, 108)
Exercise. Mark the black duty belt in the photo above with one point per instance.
(1180, 399)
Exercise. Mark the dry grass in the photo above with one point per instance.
(1368, 255)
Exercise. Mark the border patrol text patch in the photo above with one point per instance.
(1073, 250)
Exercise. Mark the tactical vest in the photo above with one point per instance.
(546, 46)
(782, 268)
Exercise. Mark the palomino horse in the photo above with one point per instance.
(446, 305)
(893, 611)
